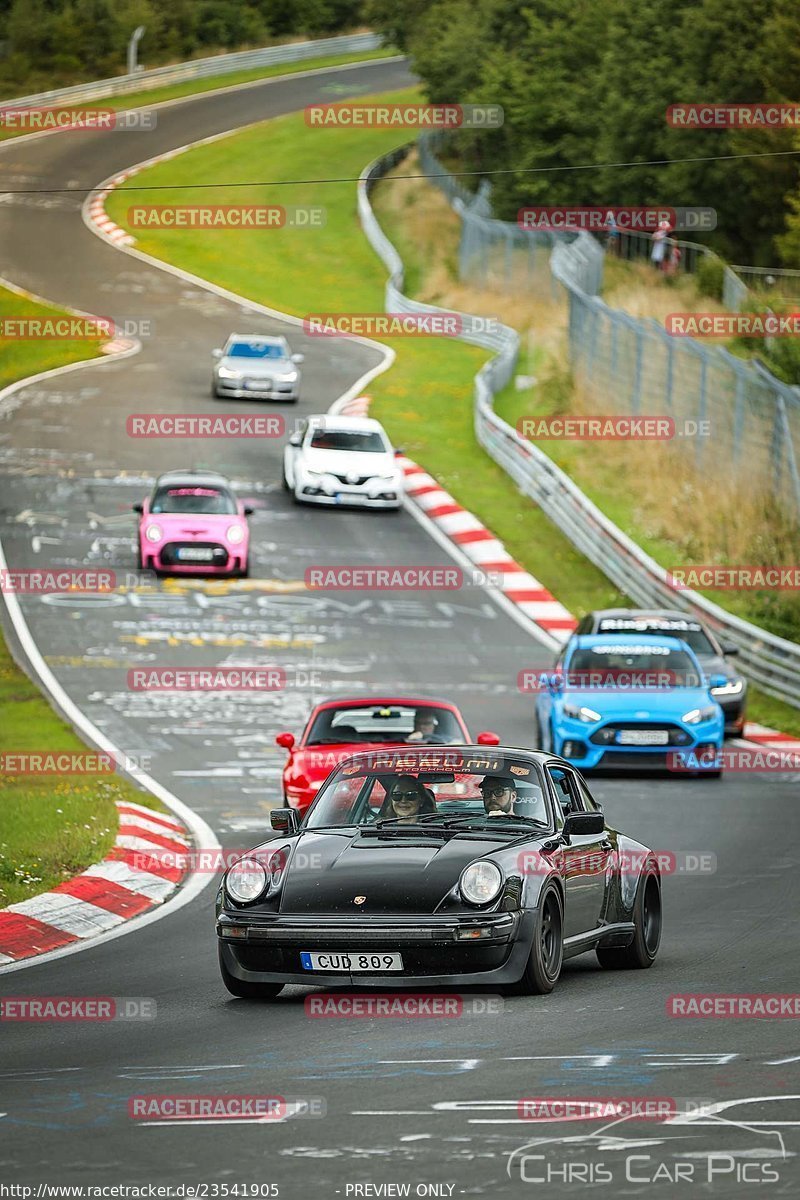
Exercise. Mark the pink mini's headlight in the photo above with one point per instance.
(235, 534)
(153, 533)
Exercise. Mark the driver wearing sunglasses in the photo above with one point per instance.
(499, 794)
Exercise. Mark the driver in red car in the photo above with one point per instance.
(425, 725)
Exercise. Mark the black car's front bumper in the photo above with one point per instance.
(436, 951)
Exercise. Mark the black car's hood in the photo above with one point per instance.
(399, 873)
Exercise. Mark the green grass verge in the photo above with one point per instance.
(425, 401)
(51, 827)
(24, 356)
(218, 83)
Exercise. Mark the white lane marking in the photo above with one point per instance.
(712, 1111)
(292, 1109)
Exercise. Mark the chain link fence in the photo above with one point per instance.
(626, 364)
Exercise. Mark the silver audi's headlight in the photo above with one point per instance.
(480, 882)
(226, 373)
(235, 534)
(153, 533)
(246, 880)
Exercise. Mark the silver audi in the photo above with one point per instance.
(256, 367)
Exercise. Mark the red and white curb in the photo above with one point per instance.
(762, 735)
(99, 217)
(131, 880)
(478, 543)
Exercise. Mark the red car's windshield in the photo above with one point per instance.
(385, 724)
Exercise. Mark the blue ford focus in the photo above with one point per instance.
(635, 701)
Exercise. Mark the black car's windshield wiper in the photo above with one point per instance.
(503, 822)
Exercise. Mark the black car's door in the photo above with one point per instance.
(586, 856)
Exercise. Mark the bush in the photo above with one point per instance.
(710, 276)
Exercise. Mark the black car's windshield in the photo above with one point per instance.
(348, 439)
(691, 632)
(616, 665)
(385, 724)
(256, 350)
(191, 499)
(423, 791)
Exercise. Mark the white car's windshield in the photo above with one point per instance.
(347, 439)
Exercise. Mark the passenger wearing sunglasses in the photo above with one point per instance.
(406, 800)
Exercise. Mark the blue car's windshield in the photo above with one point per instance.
(615, 665)
(255, 350)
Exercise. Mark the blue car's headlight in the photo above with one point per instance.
(695, 715)
(582, 714)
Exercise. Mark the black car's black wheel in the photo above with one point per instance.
(544, 963)
(247, 990)
(647, 918)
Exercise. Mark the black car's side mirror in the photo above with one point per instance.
(729, 649)
(139, 508)
(582, 823)
(284, 820)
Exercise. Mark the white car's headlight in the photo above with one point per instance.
(480, 882)
(235, 534)
(153, 533)
(582, 714)
(287, 376)
(246, 880)
(695, 715)
(732, 688)
(227, 373)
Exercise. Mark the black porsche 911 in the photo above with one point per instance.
(438, 866)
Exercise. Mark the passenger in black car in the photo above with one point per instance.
(406, 800)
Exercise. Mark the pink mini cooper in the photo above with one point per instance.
(193, 522)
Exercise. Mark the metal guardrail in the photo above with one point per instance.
(770, 661)
(200, 68)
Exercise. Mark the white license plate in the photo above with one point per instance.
(258, 385)
(643, 737)
(351, 961)
(196, 554)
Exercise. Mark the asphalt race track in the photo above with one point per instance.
(427, 1103)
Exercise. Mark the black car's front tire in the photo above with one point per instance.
(642, 951)
(245, 989)
(547, 952)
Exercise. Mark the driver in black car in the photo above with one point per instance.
(500, 799)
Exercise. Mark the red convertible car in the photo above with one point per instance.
(338, 728)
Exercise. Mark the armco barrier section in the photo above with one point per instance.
(770, 661)
(200, 68)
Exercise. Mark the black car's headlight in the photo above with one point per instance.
(246, 880)
(734, 687)
(480, 882)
